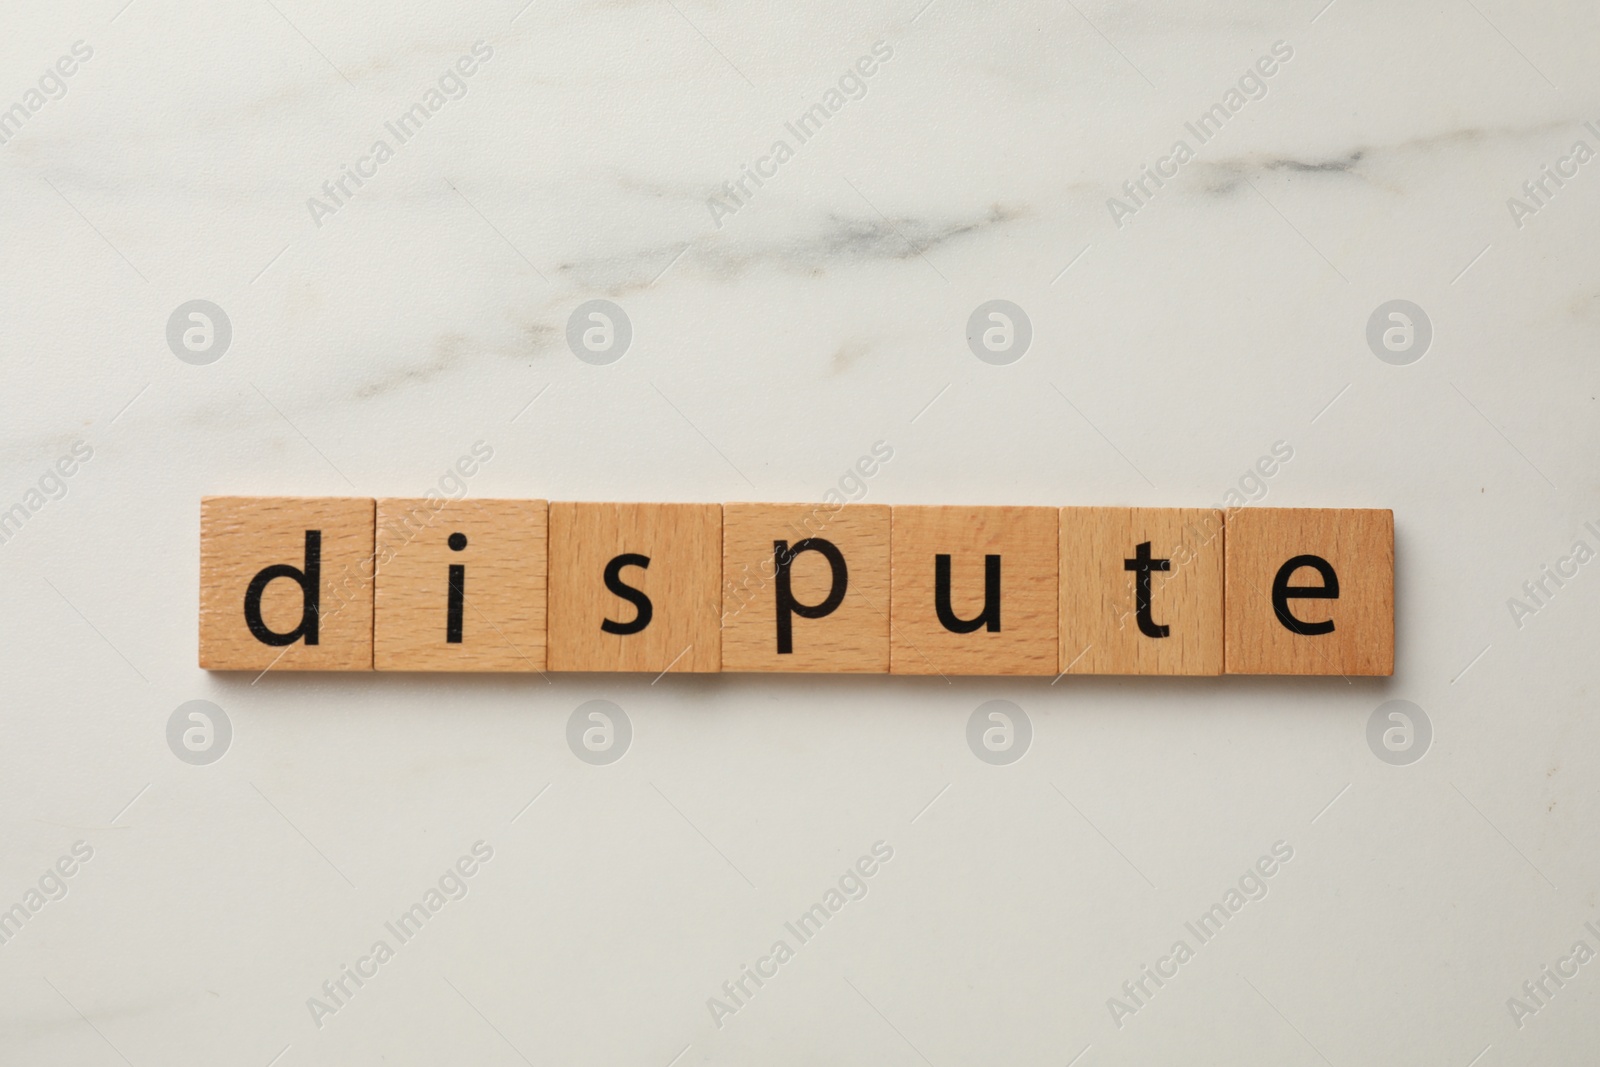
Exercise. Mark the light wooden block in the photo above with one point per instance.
(488, 615)
(1023, 638)
(682, 586)
(799, 608)
(1356, 545)
(1141, 591)
(299, 569)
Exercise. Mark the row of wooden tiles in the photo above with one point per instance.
(356, 584)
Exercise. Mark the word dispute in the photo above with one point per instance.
(436, 584)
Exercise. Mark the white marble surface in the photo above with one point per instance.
(769, 352)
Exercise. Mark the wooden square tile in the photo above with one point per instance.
(635, 587)
(974, 590)
(1141, 591)
(1310, 591)
(805, 588)
(461, 585)
(286, 583)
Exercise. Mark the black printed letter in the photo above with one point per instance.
(627, 592)
(1283, 592)
(991, 597)
(783, 557)
(1142, 565)
(458, 593)
(310, 583)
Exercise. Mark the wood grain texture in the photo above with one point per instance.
(240, 536)
(1100, 627)
(1358, 544)
(683, 581)
(500, 621)
(854, 636)
(1025, 539)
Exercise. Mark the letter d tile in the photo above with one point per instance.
(286, 583)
